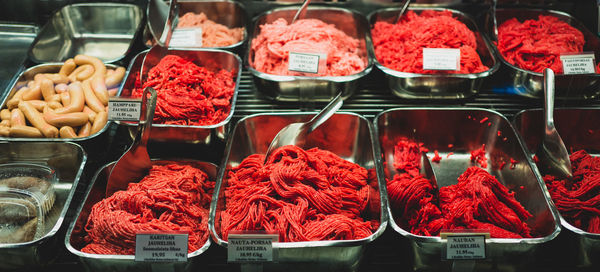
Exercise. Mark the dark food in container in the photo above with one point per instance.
(21, 216)
(37, 179)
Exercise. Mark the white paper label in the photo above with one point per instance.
(250, 248)
(186, 37)
(578, 64)
(465, 247)
(441, 59)
(161, 247)
(305, 62)
(124, 109)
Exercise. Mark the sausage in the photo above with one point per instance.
(34, 93)
(37, 120)
(115, 78)
(5, 114)
(85, 73)
(99, 67)
(76, 99)
(17, 118)
(99, 88)
(73, 119)
(91, 114)
(112, 92)
(65, 99)
(67, 132)
(38, 104)
(67, 67)
(4, 131)
(85, 130)
(47, 88)
(73, 75)
(25, 132)
(90, 98)
(60, 88)
(18, 96)
(99, 122)
(5, 123)
(57, 78)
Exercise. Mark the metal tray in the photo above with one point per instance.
(353, 142)
(210, 58)
(14, 41)
(225, 12)
(103, 30)
(306, 88)
(69, 160)
(435, 86)
(462, 127)
(530, 84)
(99, 262)
(100, 137)
(574, 126)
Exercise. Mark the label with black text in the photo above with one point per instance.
(186, 37)
(578, 64)
(441, 59)
(161, 247)
(465, 247)
(250, 248)
(305, 62)
(124, 109)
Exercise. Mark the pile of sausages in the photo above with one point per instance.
(69, 104)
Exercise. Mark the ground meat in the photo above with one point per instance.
(304, 195)
(213, 34)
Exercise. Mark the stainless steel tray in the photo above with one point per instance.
(305, 88)
(435, 86)
(26, 76)
(14, 41)
(530, 84)
(99, 262)
(462, 127)
(69, 160)
(103, 30)
(353, 142)
(212, 58)
(574, 125)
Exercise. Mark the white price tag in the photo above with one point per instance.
(161, 247)
(124, 109)
(578, 64)
(465, 247)
(305, 62)
(250, 248)
(186, 37)
(441, 59)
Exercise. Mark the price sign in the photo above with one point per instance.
(161, 247)
(441, 59)
(124, 109)
(250, 248)
(306, 62)
(578, 64)
(186, 37)
(465, 246)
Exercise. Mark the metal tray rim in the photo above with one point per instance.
(384, 217)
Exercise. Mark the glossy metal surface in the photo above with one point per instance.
(28, 75)
(228, 13)
(69, 160)
(160, 17)
(438, 127)
(210, 58)
(103, 30)
(349, 136)
(14, 41)
(431, 86)
(553, 155)
(99, 262)
(301, 11)
(580, 129)
(530, 84)
(305, 88)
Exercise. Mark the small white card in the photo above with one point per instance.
(250, 248)
(465, 247)
(124, 109)
(441, 59)
(161, 247)
(578, 64)
(186, 37)
(305, 62)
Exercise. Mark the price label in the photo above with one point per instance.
(250, 248)
(305, 62)
(465, 246)
(124, 109)
(578, 64)
(441, 59)
(186, 37)
(161, 247)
